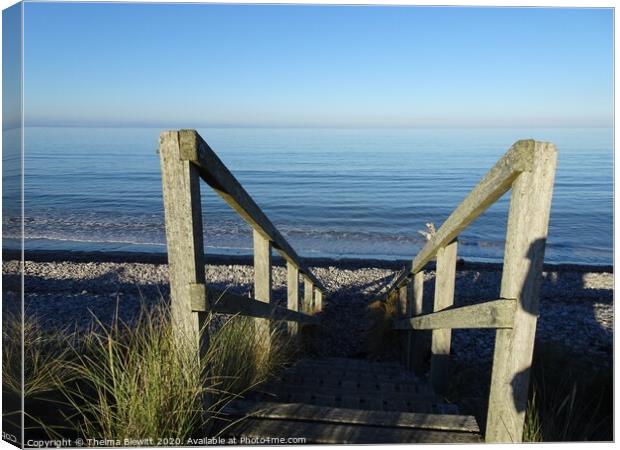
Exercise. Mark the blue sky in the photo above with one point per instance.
(276, 65)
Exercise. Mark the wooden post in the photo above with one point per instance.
(445, 275)
(183, 218)
(292, 287)
(262, 285)
(318, 300)
(308, 302)
(528, 220)
(419, 346)
(405, 302)
(186, 264)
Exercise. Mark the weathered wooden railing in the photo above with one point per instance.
(185, 159)
(528, 168)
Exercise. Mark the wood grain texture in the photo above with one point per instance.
(405, 302)
(307, 305)
(318, 300)
(262, 285)
(186, 264)
(528, 221)
(292, 294)
(322, 433)
(492, 314)
(421, 340)
(183, 221)
(217, 175)
(300, 411)
(445, 276)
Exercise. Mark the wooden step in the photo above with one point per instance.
(326, 396)
(300, 411)
(361, 383)
(265, 430)
(395, 376)
(344, 401)
(400, 373)
(353, 364)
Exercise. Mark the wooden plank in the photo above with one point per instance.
(400, 279)
(354, 375)
(385, 368)
(362, 384)
(389, 368)
(217, 175)
(318, 300)
(526, 235)
(307, 305)
(491, 314)
(419, 346)
(402, 301)
(225, 302)
(445, 276)
(184, 240)
(322, 433)
(392, 419)
(494, 184)
(292, 294)
(405, 307)
(262, 285)
(367, 382)
(278, 389)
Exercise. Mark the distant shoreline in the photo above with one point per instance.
(343, 263)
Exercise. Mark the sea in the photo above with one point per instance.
(336, 193)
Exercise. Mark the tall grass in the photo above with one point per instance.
(136, 380)
(43, 353)
(238, 360)
(145, 380)
(569, 400)
(141, 379)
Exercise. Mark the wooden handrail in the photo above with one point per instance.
(213, 171)
(528, 168)
(225, 302)
(494, 184)
(491, 314)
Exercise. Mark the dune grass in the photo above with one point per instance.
(569, 399)
(238, 360)
(42, 352)
(136, 380)
(141, 379)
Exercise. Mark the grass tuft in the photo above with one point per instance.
(44, 354)
(141, 379)
(570, 401)
(238, 360)
(138, 380)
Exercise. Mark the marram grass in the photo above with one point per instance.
(136, 380)
(140, 379)
(44, 353)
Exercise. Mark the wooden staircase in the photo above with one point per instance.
(349, 401)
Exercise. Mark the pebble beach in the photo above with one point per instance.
(576, 309)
